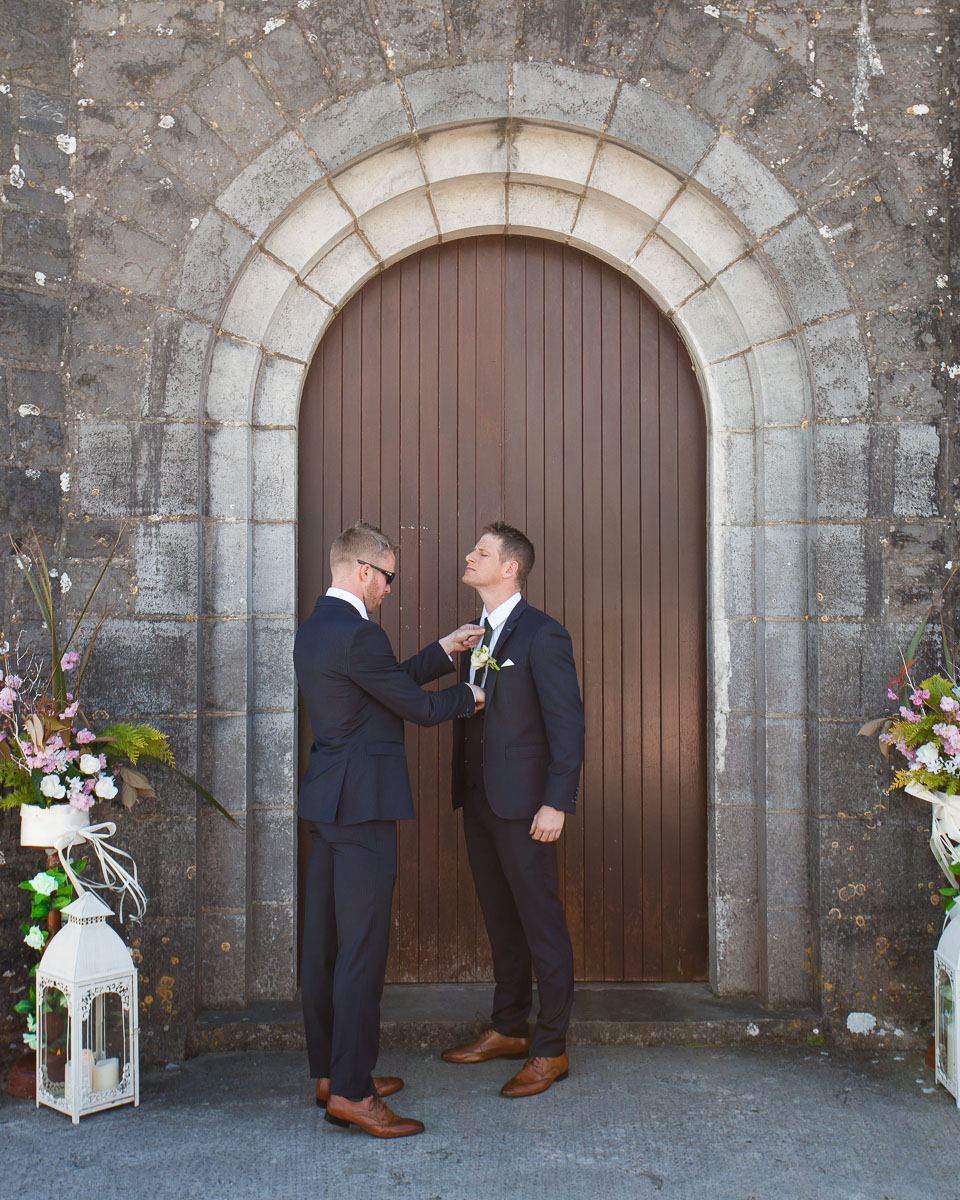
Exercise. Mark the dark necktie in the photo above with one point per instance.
(487, 637)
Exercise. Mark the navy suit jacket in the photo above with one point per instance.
(358, 697)
(533, 728)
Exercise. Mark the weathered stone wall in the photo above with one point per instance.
(120, 126)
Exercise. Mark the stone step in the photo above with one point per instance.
(434, 1015)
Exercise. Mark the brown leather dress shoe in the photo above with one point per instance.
(489, 1045)
(535, 1076)
(372, 1116)
(385, 1087)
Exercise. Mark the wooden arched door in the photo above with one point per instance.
(513, 378)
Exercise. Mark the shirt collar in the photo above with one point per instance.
(501, 612)
(340, 594)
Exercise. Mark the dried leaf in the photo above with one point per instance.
(128, 795)
(872, 727)
(136, 779)
(35, 728)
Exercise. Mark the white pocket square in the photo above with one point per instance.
(508, 663)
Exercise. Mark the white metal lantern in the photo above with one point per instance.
(946, 990)
(87, 1028)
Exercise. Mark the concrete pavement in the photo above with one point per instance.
(666, 1122)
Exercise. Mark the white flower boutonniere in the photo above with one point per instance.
(481, 657)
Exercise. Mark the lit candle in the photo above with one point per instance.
(106, 1074)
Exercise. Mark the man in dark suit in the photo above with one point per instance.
(516, 772)
(354, 790)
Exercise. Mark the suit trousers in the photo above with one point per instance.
(518, 888)
(346, 932)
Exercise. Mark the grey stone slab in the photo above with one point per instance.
(104, 469)
(915, 396)
(213, 257)
(616, 37)
(168, 567)
(808, 270)
(273, 835)
(841, 570)
(277, 397)
(786, 763)
(36, 244)
(739, 74)
(735, 852)
(30, 326)
(165, 654)
(916, 459)
(348, 129)
(227, 472)
(840, 375)
(40, 389)
(785, 570)
(730, 395)
(38, 442)
(413, 33)
(225, 555)
(42, 162)
(31, 498)
(290, 70)
(788, 978)
(471, 92)
(745, 186)
(735, 747)
(274, 573)
(842, 470)
(735, 646)
(37, 40)
(785, 667)
(106, 386)
(148, 192)
(224, 744)
(122, 256)
(238, 108)
(202, 159)
(273, 958)
(561, 95)
(222, 952)
(484, 31)
(224, 666)
(230, 384)
(275, 773)
(786, 454)
(274, 685)
(274, 181)
(656, 127)
(735, 471)
(344, 37)
(738, 943)
(167, 470)
(274, 474)
(175, 369)
(734, 568)
(41, 112)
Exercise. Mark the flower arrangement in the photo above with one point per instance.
(481, 657)
(50, 890)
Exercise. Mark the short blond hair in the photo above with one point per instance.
(359, 541)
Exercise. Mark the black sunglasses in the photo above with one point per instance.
(389, 576)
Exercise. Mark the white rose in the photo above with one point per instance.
(51, 786)
(44, 884)
(105, 788)
(35, 938)
(929, 755)
(89, 764)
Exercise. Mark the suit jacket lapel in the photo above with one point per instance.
(499, 649)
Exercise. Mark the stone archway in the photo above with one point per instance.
(704, 229)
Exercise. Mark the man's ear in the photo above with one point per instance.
(511, 569)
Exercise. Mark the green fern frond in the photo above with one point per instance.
(134, 741)
(24, 794)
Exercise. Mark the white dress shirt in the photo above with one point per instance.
(497, 619)
(357, 603)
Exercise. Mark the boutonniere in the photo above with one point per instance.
(481, 657)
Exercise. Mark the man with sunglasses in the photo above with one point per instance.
(354, 790)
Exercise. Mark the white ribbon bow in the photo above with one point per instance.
(116, 877)
(944, 830)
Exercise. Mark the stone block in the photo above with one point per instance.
(701, 232)
(562, 95)
(539, 210)
(737, 946)
(393, 172)
(122, 256)
(45, 167)
(274, 736)
(754, 295)
(223, 679)
(274, 475)
(148, 192)
(610, 228)
(274, 573)
(230, 384)
(273, 835)
(273, 954)
(37, 40)
(852, 775)
(343, 36)
(916, 459)
(224, 748)
(41, 112)
(341, 270)
(167, 470)
(225, 555)
(212, 259)
(30, 498)
(318, 222)
(739, 73)
(470, 92)
(785, 461)
(786, 764)
(734, 564)
(842, 470)
(348, 129)
(910, 395)
(143, 667)
(277, 398)
(734, 483)
(110, 320)
(856, 662)
(785, 667)
(237, 107)
(735, 852)
(273, 182)
(484, 32)
(36, 244)
(745, 186)
(839, 367)
(667, 132)
(841, 572)
(785, 571)
(298, 324)
(400, 227)
(712, 326)
(789, 947)
(779, 382)
(735, 666)
(634, 179)
(735, 747)
(477, 205)
(616, 37)
(227, 473)
(667, 275)
(539, 154)
(175, 369)
(168, 567)
(30, 326)
(104, 469)
(808, 271)
(106, 386)
(202, 160)
(274, 685)
(469, 150)
(37, 441)
(169, 891)
(287, 66)
(42, 389)
(222, 954)
(258, 293)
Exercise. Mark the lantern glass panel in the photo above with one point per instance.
(53, 1040)
(105, 1039)
(945, 1023)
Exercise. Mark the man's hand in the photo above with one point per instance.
(478, 695)
(547, 824)
(463, 638)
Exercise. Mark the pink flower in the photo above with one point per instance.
(55, 742)
(84, 736)
(949, 705)
(71, 755)
(908, 715)
(891, 694)
(949, 735)
(88, 787)
(103, 762)
(918, 697)
(69, 660)
(886, 738)
(82, 801)
(7, 697)
(14, 681)
(70, 711)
